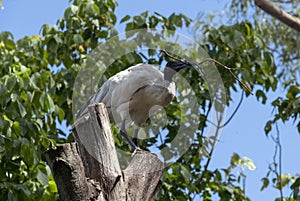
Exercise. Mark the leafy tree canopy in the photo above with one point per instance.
(38, 75)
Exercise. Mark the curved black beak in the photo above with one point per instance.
(178, 65)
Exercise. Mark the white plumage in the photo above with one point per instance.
(130, 94)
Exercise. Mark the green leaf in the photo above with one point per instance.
(96, 9)
(284, 180)
(293, 92)
(74, 9)
(52, 186)
(47, 102)
(22, 109)
(10, 82)
(185, 173)
(2, 123)
(129, 26)
(46, 28)
(151, 52)
(186, 20)
(178, 20)
(61, 114)
(103, 34)
(265, 183)
(52, 45)
(268, 127)
(235, 160)
(238, 38)
(124, 19)
(260, 94)
(6, 35)
(16, 127)
(269, 59)
(42, 177)
(21, 82)
(258, 41)
(296, 184)
(14, 97)
(78, 39)
(10, 44)
(34, 80)
(42, 100)
(24, 189)
(3, 88)
(50, 103)
(92, 8)
(28, 152)
(40, 123)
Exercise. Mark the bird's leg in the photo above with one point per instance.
(125, 136)
(136, 132)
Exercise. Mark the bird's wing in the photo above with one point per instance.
(130, 80)
(118, 89)
(102, 95)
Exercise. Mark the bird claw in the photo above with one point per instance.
(137, 149)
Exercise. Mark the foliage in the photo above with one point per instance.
(28, 119)
(282, 42)
(37, 80)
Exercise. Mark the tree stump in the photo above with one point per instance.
(89, 169)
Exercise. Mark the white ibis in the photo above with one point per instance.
(130, 94)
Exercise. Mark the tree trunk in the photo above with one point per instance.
(90, 170)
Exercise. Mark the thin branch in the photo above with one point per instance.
(279, 14)
(230, 71)
(207, 113)
(209, 157)
(283, 1)
(279, 160)
(244, 183)
(232, 115)
(244, 86)
(210, 153)
(278, 166)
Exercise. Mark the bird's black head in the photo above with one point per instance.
(174, 66)
(178, 65)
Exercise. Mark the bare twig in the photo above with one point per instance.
(209, 156)
(232, 115)
(244, 86)
(279, 14)
(278, 156)
(172, 57)
(282, 1)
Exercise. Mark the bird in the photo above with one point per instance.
(130, 94)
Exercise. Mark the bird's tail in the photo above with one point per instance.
(84, 108)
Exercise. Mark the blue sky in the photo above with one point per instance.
(244, 134)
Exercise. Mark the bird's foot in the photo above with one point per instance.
(137, 149)
(128, 140)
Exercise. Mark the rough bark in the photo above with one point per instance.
(279, 14)
(69, 173)
(89, 169)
